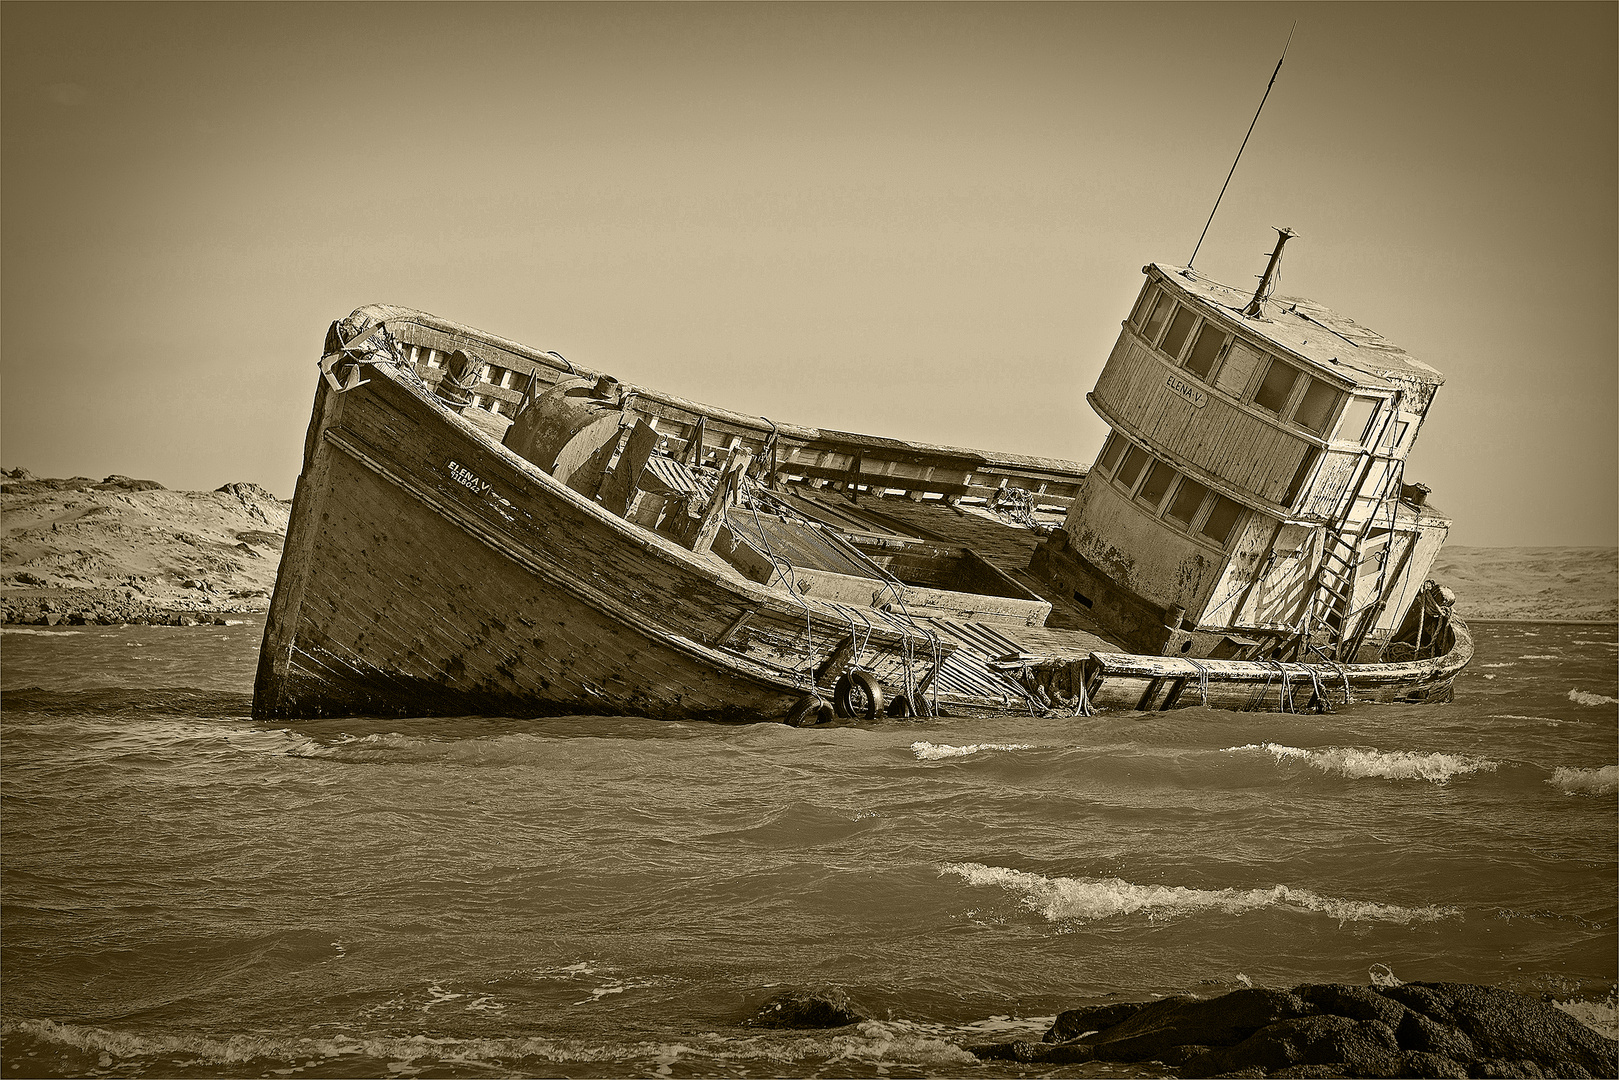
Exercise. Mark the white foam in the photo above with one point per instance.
(614, 986)
(1382, 975)
(39, 633)
(1540, 656)
(1359, 763)
(1601, 1017)
(927, 751)
(1580, 697)
(1603, 781)
(382, 747)
(1067, 899)
(1507, 664)
(1609, 644)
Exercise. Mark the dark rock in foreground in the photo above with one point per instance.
(808, 1009)
(1331, 1030)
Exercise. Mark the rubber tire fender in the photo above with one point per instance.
(910, 708)
(843, 693)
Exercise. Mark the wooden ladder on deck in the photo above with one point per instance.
(1327, 611)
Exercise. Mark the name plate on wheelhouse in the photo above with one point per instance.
(1186, 390)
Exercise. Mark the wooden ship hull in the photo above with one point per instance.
(484, 528)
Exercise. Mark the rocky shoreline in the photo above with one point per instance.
(1323, 1030)
(1331, 1030)
(107, 607)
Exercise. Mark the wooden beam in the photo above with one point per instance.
(714, 513)
(621, 486)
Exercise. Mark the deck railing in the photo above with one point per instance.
(885, 468)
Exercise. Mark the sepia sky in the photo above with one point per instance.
(922, 221)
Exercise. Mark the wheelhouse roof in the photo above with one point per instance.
(1309, 331)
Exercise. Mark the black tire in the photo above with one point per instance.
(809, 712)
(914, 707)
(856, 696)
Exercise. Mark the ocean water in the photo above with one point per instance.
(188, 893)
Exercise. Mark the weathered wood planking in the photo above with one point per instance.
(1234, 442)
(443, 475)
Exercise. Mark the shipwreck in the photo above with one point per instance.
(481, 527)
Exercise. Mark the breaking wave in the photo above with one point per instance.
(1091, 899)
(927, 751)
(1359, 764)
(1603, 781)
(1580, 697)
(871, 1042)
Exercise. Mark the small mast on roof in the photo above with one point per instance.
(1267, 281)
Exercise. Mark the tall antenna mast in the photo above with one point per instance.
(1243, 147)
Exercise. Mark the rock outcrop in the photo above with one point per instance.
(1331, 1030)
(824, 1008)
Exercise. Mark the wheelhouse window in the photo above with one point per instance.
(1278, 383)
(1177, 499)
(1112, 450)
(1134, 462)
(1159, 477)
(1358, 418)
(1316, 407)
(1138, 317)
(1161, 310)
(1206, 350)
(1184, 506)
(1241, 361)
(1175, 338)
(1222, 520)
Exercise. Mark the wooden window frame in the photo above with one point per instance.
(1191, 331)
(1113, 439)
(1164, 296)
(1144, 304)
(1220, 352)
(1175, 475)
(1130, 488)
(1194, 528)
(1197, 511)
(1371, 426)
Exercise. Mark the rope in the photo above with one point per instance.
(1016, 503)
(1202, 680)
(1319, 698)
(1082, 704)
(784, 570)
(1284, 701)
